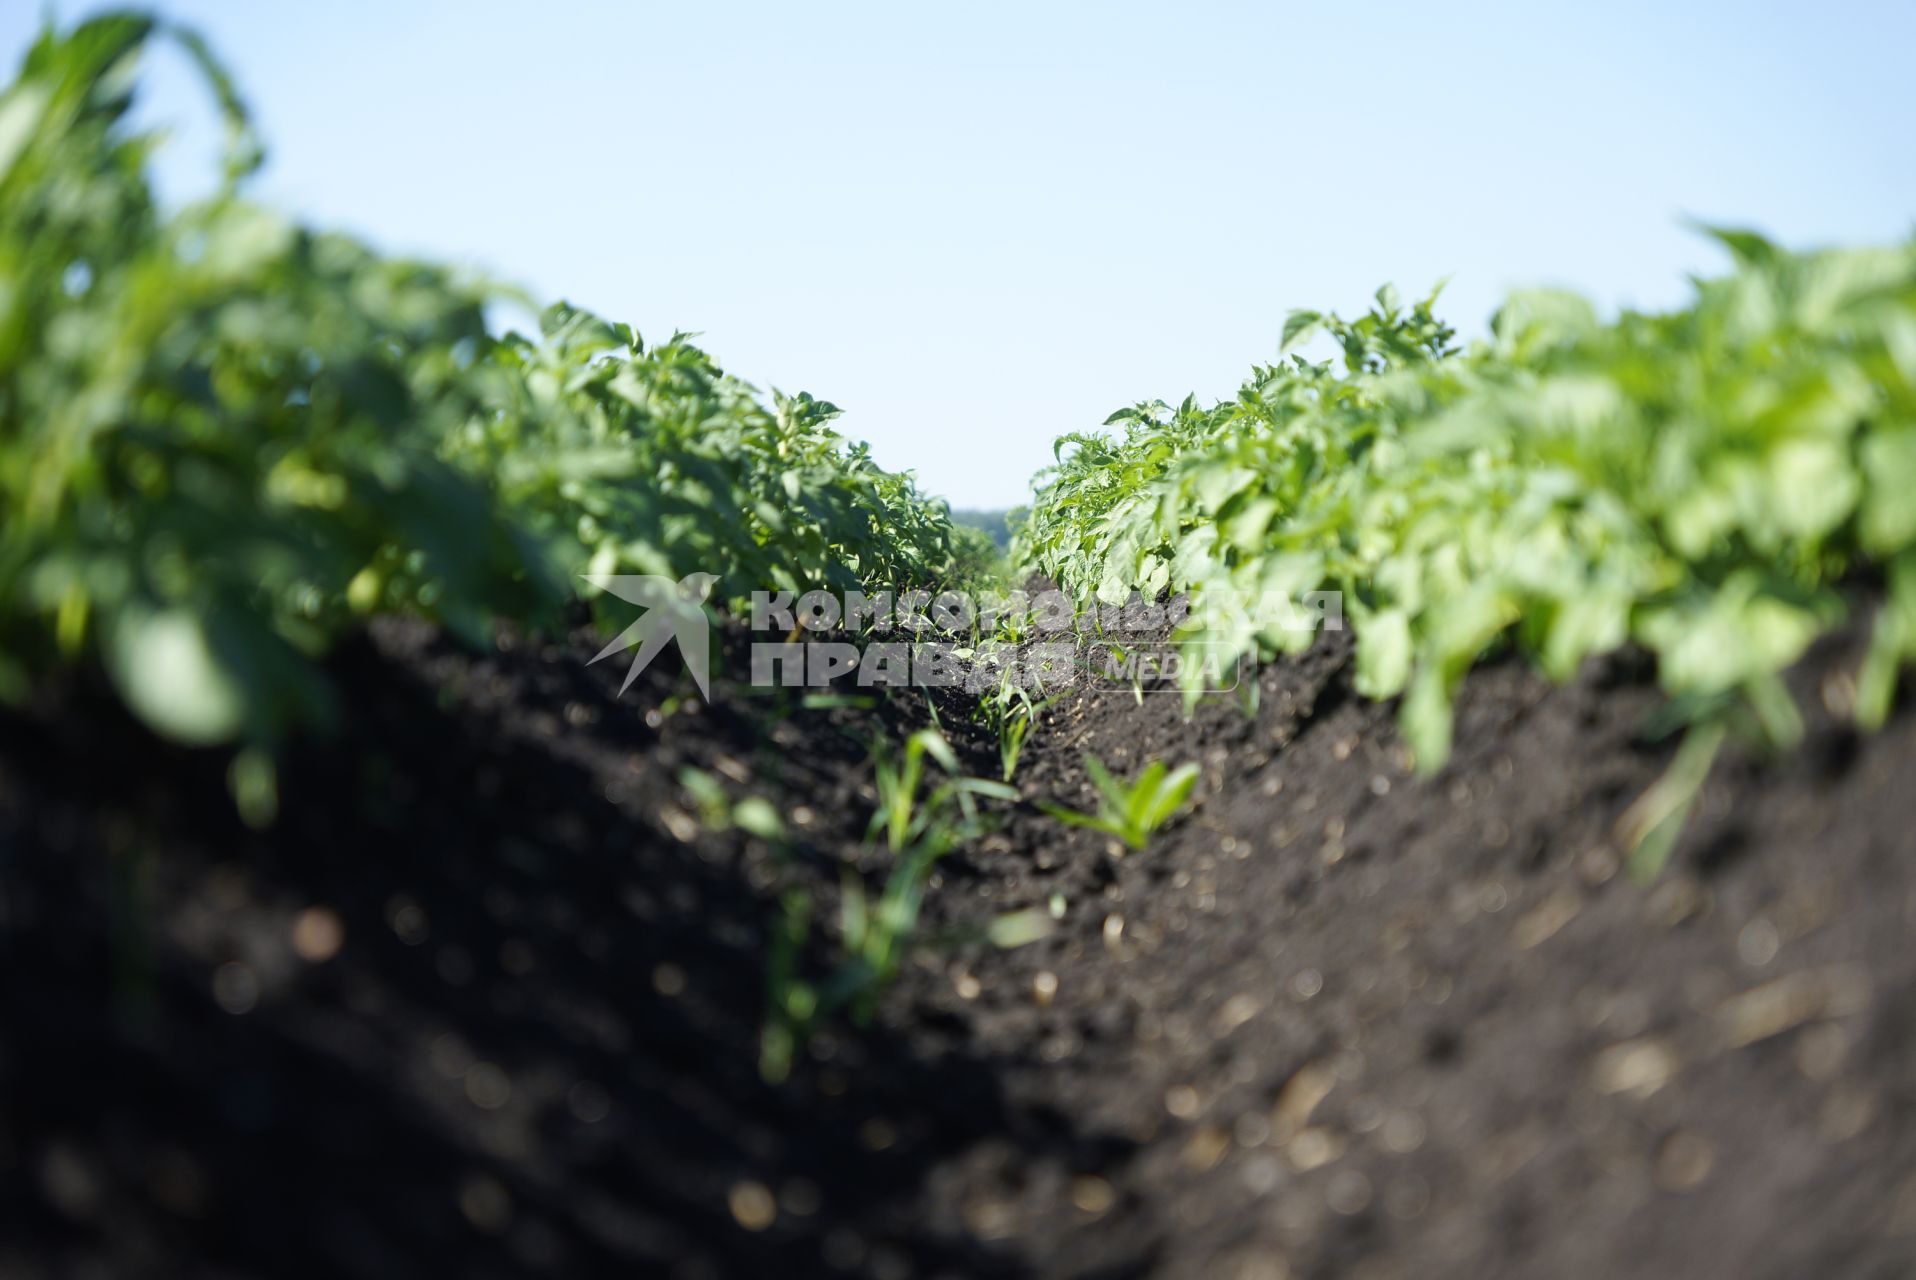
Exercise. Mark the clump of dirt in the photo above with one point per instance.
(486, 999)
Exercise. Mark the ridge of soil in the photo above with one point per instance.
(1338, 1021)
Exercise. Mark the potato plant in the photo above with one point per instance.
(225, 437)
(1703, 483)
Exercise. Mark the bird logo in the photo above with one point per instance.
(673, 611)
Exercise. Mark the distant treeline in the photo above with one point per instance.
(995, 523)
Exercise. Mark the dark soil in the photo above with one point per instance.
(486, 999)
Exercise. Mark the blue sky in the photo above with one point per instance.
(976, 227)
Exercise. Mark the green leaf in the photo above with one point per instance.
(1299, 327)
(20, 115)
(1383, 654)
(164, 665)
(1889, 501)
(1814, 486)
(1749, 248)
(1170, 796)
(756, 815)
